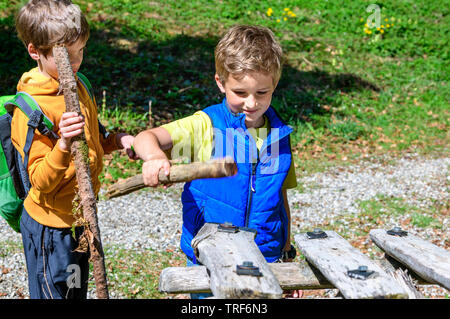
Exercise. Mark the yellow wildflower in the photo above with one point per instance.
(378, 29)
(293, 15)
(386, 19)
(269, 12)
(382, 26)
(286, 9)
(361, 20)
(388, 26)
(285, 19)
(278, 20)
(369, 32)
(366, 25)
(382, 31)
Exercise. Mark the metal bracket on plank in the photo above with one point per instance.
(227, 228)
(248, 269)
(361, 273)
(316, 234)
(397, 231)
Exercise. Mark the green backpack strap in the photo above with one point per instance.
(28, 105)
(36, 120)
(87, 85)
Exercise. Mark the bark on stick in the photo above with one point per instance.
(80, 153)
(178, 174)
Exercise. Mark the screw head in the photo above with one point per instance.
(317, 230)
(363, 268)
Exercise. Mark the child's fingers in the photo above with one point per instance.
(66, 115)
(70, 115)
(166, 167)
(131, 154)
(150, 171)
(72, 130)
(150, 174)
(72, 133)
(68, 119)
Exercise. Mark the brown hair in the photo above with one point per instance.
(248, 49)
(45, 23)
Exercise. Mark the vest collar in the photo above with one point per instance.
(237, 120)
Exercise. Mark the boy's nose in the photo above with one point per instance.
(250, 102)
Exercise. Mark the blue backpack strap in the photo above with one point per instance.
(87, 85)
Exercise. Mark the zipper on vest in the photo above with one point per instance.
(251, 190)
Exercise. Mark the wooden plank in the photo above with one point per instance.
(301, 275)
(291, 276)
(221, 252)
(334, 256)
(184, 280)
(426, 259)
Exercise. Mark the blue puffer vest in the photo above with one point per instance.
(253, 197)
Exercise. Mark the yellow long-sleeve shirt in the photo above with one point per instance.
(50, 169)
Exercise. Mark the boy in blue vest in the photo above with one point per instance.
(245, 127)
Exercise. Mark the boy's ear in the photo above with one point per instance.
(33, 52)
(275, 86)
(219, 83)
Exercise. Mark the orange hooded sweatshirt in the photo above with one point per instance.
(51, 170)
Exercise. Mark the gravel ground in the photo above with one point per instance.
(145, 220)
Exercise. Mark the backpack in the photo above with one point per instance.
(14, 180)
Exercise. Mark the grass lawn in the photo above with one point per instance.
(351, 92)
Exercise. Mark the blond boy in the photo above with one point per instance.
(47, 216)
(244, 126)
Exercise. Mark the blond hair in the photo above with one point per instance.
(246, 49)
(45, 23)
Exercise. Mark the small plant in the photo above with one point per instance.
(285, 15)
(377, 32)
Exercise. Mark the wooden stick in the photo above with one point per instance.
(178, 174)
(80, 152)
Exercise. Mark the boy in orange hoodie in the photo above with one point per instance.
(47, 216)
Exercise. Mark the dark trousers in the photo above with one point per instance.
(55, 270)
